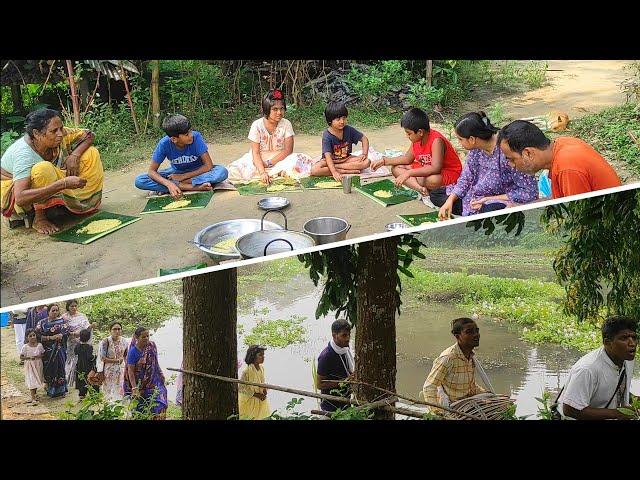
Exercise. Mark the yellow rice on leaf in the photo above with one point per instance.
(100, 226)
(176, 204)
(382, 194)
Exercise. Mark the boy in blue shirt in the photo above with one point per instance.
(191, 166)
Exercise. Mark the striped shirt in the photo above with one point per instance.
(454, 373)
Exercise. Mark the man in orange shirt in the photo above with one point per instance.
(574, 166)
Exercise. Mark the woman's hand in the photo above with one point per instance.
(72, 163)
(265, 177)
(477, 203)
(445, 211)
(73, 182)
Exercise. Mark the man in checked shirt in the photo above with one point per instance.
(452, 376)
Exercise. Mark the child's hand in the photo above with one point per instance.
(174, 191)
(176, 177)
(377, 164)
(337, 176)
(363, 157)
(400, 179)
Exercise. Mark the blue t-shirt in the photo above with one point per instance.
(133, 356)
(183, 160)
(332, 367)
(340, 149)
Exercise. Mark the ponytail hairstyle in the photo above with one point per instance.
(475, 124)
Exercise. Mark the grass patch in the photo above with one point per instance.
(608, 132)
(278, 271)
(278, 333)
(531, 304)
(149, 306)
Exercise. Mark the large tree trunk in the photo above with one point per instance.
(155, 92)
(376, 325)
(16, 97)
(429, 72)
(210, 344)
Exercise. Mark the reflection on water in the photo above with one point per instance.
(514, 367)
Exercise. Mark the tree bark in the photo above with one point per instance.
(429, 72)
(210, 344)
(16, 97)
(376, 328)
(74, 94)
(155, 92)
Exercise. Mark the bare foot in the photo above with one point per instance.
(41, 224)
(188, 187)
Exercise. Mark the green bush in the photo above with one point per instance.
(379, 80)
(6, 139)
(424, 96)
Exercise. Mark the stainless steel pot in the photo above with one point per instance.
(268, 242)
(326, 229)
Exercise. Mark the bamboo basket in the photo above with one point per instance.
(487, 406)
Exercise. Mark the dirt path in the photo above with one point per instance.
(13, 392)
(35, 267)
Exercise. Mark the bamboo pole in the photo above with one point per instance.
(155, 92)
(429, 73)
(74, 94)
(403, 411)
(126, 87)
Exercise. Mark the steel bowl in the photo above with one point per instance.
(326, 229)
(273, 203)
(396, 226)
(269, 242)
(209, 236)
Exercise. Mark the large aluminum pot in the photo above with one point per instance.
(326, 229)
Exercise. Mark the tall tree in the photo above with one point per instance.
(210, 344)
(155, 92)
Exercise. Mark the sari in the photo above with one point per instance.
(114, 373)
(75, 324)
(79, 200)
(55, 356)
(149, 378)
(33, 318)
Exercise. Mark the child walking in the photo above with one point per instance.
(31, 354)
(86, 362)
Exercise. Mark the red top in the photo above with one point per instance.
(422, 156)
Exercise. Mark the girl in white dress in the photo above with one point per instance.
(271, 153)
(31, 354)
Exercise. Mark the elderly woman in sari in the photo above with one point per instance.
(144, 379)
(53, 332)
(76, 322)
(112, 354)
(50, 166)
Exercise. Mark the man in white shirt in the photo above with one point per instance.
(599, 382)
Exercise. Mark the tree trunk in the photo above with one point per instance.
(16, 97)
(123, 74)
(376, 326)
(210, 344)
(429, 72)
(74, 94)
(83, 87)
(155, 92)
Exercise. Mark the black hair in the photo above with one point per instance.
(52, 305)
(174, 125)
(114, 323)
(521, 134)
(335, 110)
(252, 353)
(139, 331)
(340, 325)
(615, 324)
(415, 119)
(271, 97)
(29, 332)
(85, 335)
(458, 323)
(69, 302)
(38, 120)
(475, 124)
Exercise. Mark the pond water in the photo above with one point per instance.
(516, 368)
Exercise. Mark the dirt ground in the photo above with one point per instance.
(35, 267)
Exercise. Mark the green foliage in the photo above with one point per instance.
(148, 306)
(352, 412)
(608, 132)
(291, 413)
(425, 96)
(510, 221)
(514, 75)
(277, 333)
(633, 410)
(7, 139)
(497, 114)
(94, 407)
(379, 80)
(599, 264)
(544, 409)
